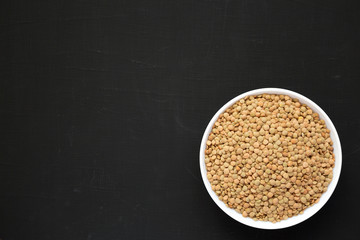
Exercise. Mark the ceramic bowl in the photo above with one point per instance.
(310, 211)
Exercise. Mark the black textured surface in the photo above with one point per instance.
(103, 105)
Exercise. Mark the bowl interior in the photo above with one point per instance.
(309, 211)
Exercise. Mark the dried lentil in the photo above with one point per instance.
(269, 157)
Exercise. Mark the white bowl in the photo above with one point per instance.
(309, 211)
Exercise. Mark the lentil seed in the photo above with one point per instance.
(269, 157)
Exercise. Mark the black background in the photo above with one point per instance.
(103, 105)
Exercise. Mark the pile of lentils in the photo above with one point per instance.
(269, 157)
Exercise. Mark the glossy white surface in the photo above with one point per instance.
(309, 211)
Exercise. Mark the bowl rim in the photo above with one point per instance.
(308, 212)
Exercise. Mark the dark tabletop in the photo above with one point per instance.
(103, 105)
